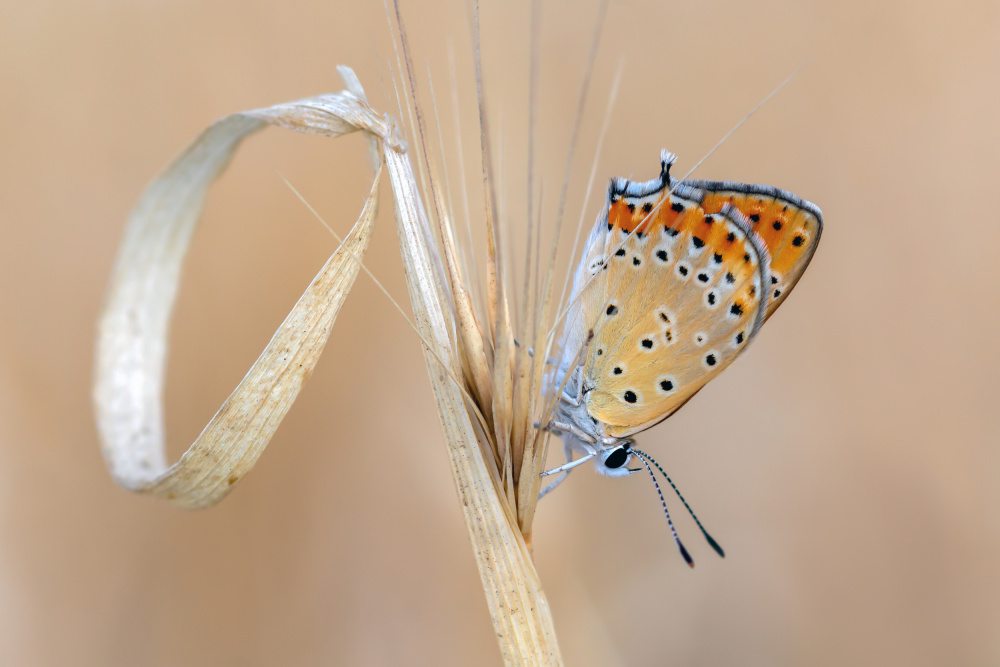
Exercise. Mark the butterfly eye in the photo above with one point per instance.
(617, 458)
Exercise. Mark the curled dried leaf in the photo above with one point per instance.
(132, 344)
(132, 330)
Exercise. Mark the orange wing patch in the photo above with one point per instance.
(690, 270)
(789, 226)
(701, 218)
(650, 213)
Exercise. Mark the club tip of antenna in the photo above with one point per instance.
(715, 545)
(685, 554)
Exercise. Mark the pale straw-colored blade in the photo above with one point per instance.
(470, 335)
(133, 327)
(517, 604)
(132, 344)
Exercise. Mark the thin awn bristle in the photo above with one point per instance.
(426, 344)
(477, 291)
(607, 253)
(444, 158)
(381, 78)
(497, 294)
(621, 243)
(432, 190)
(392, 38)
(447, 204)
(537, 364)
(574, 137)
(413, 107)
(425, 194)
(509, 257)
(538, 301)
(606, 123)
(663, 501)
(533, 315)
(529, 237)
(527, 293)
(745, 118)
(711, 542)
(399, 101)
(545, 309)
(562, 312)
(408, 79)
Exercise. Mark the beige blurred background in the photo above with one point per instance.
(848, 462)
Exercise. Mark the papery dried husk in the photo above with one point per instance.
(132, 344)
(132, 330)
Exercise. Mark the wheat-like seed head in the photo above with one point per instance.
(485, 386)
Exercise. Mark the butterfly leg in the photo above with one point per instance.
(549, 488)
(575, 401)
(569, 428)
(572, 400)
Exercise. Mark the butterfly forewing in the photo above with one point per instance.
(789, 226)
(680, 297)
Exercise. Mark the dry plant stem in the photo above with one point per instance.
(132, 345)
(518, 607)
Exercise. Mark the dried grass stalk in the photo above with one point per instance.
(518, 607)
(133, 327)
(465, 380)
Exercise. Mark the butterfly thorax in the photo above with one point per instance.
(585, 434)
(572, 410)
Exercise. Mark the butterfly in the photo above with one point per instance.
(676, 280)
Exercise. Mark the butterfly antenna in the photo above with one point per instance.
(663, 501)
(712, 542)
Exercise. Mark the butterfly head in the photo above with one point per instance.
(613, 460)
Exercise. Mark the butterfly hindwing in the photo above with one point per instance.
(682, 293)
(790, 227)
